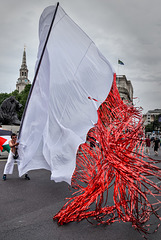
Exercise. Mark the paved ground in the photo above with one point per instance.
(27, 209)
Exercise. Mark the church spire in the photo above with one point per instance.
(24, 66)
(23, 80)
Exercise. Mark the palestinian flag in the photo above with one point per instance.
(5, 136)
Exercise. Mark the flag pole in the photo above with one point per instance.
(37, 70)
(118, 65)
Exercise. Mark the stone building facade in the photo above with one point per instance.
(125, 88)
(149, 117)
(23, 80)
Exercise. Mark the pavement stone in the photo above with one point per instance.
(27, 209)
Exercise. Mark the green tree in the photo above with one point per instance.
(3, 96)
(23, 98)
(149, 127)
(155, 125)
(16, 94)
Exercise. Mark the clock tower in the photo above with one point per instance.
(23, 80)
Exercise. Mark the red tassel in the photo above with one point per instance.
(113, 163)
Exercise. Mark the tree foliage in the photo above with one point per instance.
(23, 98)
(155, 125)
(3, 96)
(149, 127)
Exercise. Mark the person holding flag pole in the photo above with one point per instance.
(13, 155)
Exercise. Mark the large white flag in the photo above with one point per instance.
(59, 113)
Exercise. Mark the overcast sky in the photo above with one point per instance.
(128, 29)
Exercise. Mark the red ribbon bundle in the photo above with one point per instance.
(114, 164)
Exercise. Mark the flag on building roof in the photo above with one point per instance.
(120, 62)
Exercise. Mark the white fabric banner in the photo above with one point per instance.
(59, 113)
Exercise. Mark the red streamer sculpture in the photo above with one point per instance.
(114, 164)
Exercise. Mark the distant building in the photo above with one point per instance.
(125, 88)
(149, 117)
(23, 80)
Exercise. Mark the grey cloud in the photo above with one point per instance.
(129, 30)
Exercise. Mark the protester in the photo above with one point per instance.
(156, 145)
(147, 144)
(11, 157)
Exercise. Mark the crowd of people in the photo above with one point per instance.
(153, 142)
